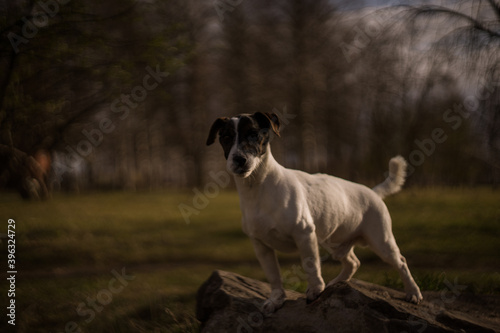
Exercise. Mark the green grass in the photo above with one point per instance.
(67, 248)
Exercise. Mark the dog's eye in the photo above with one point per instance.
(253, 136)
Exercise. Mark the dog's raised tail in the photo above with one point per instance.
(396, 179)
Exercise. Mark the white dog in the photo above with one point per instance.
(286, 209)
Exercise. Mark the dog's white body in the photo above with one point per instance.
(288, 210)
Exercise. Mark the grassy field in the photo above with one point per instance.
(71, 250)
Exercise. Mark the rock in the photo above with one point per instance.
(228, 302)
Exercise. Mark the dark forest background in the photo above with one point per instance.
(121, 94)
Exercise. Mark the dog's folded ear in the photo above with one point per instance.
(268, 120)
(216, 126)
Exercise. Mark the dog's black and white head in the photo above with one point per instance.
(245, 139)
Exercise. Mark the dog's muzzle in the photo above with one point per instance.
(239, 165)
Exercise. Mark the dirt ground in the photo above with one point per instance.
(452, 306)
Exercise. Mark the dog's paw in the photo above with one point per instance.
(414, 297)
(274, 302)
(313, 293)
(269, 307)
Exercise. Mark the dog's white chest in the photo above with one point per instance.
(271, 220)
(269, 233)
(276, 211)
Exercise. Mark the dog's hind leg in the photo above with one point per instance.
(350, 264)
(389, 252)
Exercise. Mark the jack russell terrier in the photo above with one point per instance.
(288, 210)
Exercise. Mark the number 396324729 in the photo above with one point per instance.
(11, 244)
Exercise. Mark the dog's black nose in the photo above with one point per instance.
(239, 161)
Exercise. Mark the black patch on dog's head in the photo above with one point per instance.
(252, 138)
(253, 132)
(227, 135)
(215, 128)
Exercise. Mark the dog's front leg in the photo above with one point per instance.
(269, 262)
(308, 247)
